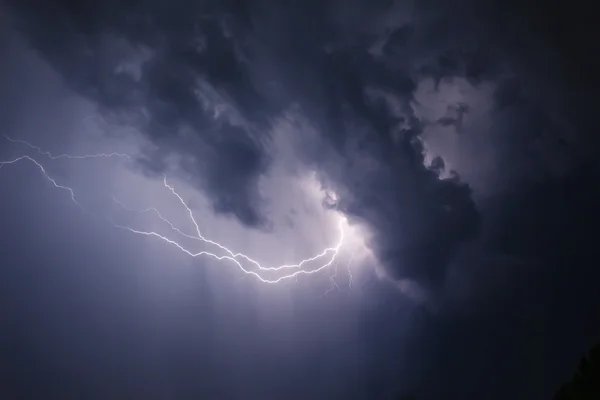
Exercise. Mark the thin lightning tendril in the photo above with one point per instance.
(350, 277)
(334, 284)
(69, 156)
(257, 272)
(44, 173)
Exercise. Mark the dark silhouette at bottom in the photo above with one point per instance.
(585, 384)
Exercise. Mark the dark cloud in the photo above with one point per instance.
(215, 75)
(91, 46)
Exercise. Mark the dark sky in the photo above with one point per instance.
(458, 137)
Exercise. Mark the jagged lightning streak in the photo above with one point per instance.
(350, 277)
(231, 256)
(220, 246)
(69, 156)
(334, 251)
(334, 284)
(44, 173)
(332, 277)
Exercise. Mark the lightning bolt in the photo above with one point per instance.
(59, 156)
(334, 284)
(350, 277)
(44, 173)
(328, 255)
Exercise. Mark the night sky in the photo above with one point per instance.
(442, 155)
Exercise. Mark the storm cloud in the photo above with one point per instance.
(207, 80)
(459, 135)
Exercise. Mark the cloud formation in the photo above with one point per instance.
(206, 81)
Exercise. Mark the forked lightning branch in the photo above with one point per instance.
(218, 251)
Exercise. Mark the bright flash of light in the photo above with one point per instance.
(245, 264)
